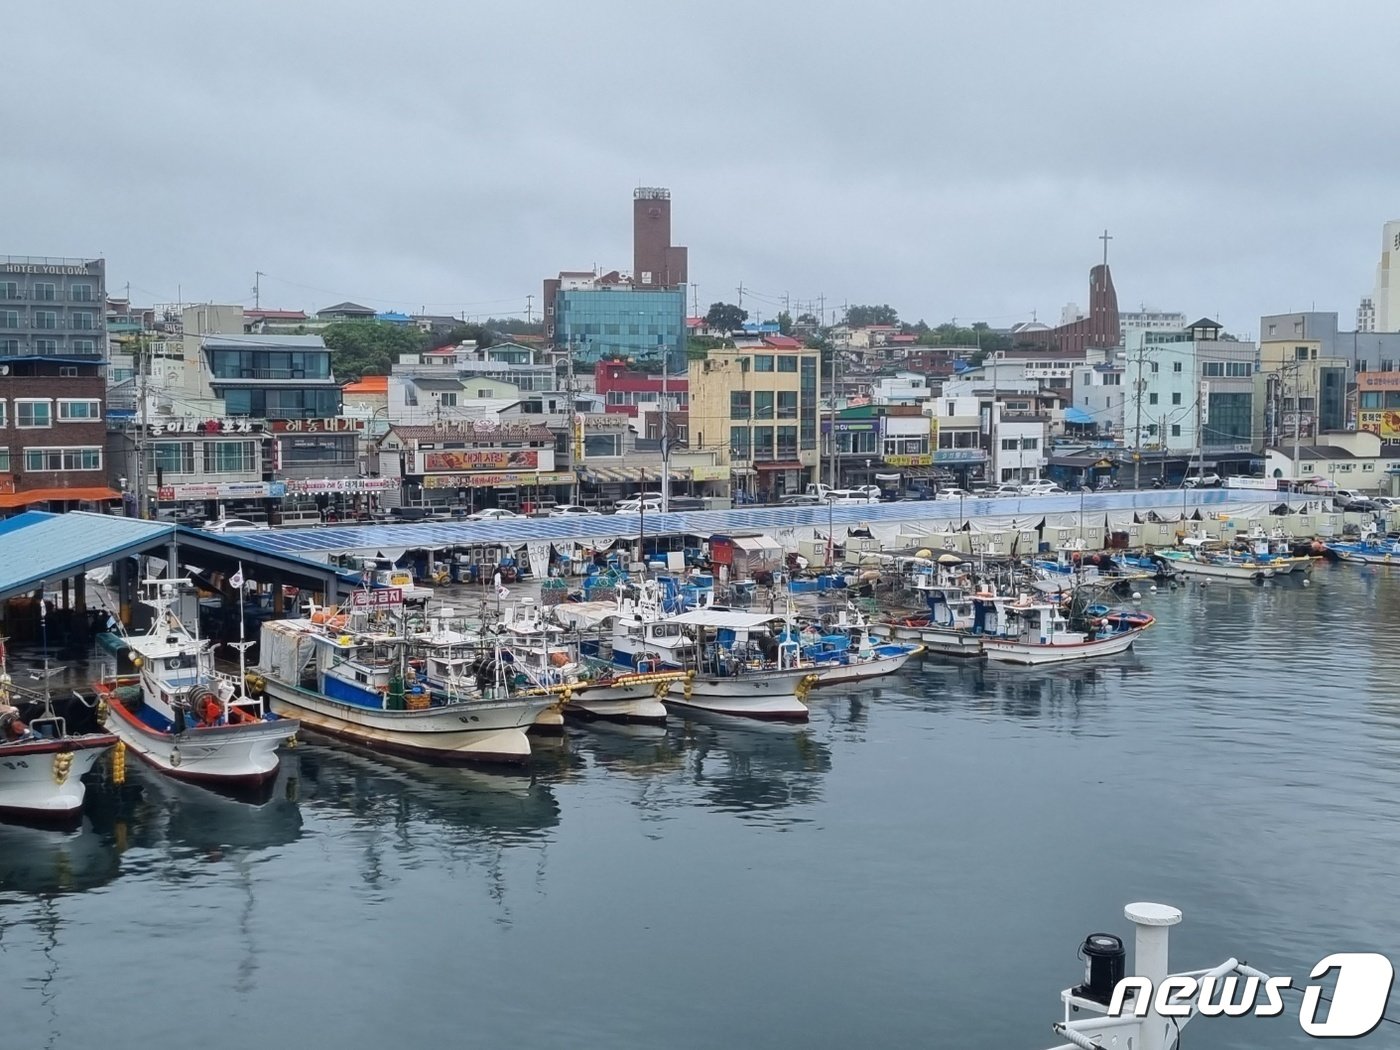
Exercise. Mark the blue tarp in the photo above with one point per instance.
(1078, 415)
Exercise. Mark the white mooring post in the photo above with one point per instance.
(1152, 923)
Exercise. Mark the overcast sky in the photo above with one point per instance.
(954, 160)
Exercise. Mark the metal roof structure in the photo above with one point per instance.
(39, 546)
(601, 529)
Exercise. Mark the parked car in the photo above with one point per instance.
(234, 525)
(1042, 488)
(1344, 498)
(799, 500)
(1208, 480)
(492, 514)
(954, 494)
(565, 510)
(1365, 506)
(649, 505)
(1390, 503)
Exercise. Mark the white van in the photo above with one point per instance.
(847, 497)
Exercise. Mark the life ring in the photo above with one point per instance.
(175, 662)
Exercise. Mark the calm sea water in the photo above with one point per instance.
(916, 866)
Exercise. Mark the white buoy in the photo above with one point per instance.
(1152, 587)
(1137, 595)
(1307, 583)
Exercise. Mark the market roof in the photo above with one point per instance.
(42, 547)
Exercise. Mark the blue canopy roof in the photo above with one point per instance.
(39, 546)
(1078, 415)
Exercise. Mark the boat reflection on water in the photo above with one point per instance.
(750, 767)
(501, 807)
(155, 811)
(1056, 694)
(37, 860)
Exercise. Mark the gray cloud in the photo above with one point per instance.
(949, 161)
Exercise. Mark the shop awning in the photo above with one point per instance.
(781, 464)
(25, 499)
(620, 475)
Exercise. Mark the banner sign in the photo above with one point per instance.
(336, 425)
(318, 486)
(193, 425)
(378, 599)
(480, 459)
(223, 490)
(465, 481)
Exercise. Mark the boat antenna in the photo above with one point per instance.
(242, 645)
(44, 633)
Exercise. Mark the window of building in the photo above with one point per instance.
(739, 442)
(1176, 397)
(763, 362)
(33, 413)
(787, 442)
(1151, 429)
(1209, 369)
(1010, 444)
(1030, 443)
(4, 461)
(808, 433)
(9, 318)
(1154, 366)
(61, 459)
(83, 346)
(46, 346)
(602, 445)
(82, 320)
(762, 442)
(1176, 430)
(45, 319)
(763, 404)
(1176, 366)
(4, 419)
(1300, 353)
(71, 372)
(175, 457)
(739, 404)
(79, 411)
(9, 346)
(1231, 420)
(230, 457)
(448, 399)
(80, 292)
(45, 291)
(1152, 398)
(787, 404)
(9, 290)
(787, 363)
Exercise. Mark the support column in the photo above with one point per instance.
(65, 594)
(1153, 923)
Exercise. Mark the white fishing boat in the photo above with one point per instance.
(946, 627)
(180, 715)
(842, 649)
(42, 764)
(736, 673)
(634, 632)
(589, 688)
(1195, 557)
(351, 673)
(1029, 630)
(1086, 1024)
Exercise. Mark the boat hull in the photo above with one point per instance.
(617, 703)
(772, 696)
(1007, 650)
(236, 754)
(1188, 567)
(479, 731)
(43, 779)
(945, 641)
(861, 670)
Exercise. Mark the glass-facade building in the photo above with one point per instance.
(620, 321)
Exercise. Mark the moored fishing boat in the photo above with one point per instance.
(179, 714)
(842, 649)
(1027, 630)
(1370, 549)
(1196, 559)
(351, 674)
(741, 668)
(42, 764)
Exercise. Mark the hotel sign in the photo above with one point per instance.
(37, 268)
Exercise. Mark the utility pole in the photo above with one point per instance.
(1138, 386)
(741, 295)
(529, 309)
(695, 300)
(141, 370)
(257, 289)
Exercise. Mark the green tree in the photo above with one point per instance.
(860, 316)
(376, 345)
(726, 317)
(785, 323)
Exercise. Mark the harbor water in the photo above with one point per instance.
(916, 866)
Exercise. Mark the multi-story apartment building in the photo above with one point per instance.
(53, 348)
(53, 307)
(757, 409)
(1191, 392)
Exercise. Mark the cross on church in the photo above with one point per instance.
(1105, 238)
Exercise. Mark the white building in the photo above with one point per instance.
(1099, 394)
(1018, 446)
(902, 388)
(1366, 315)
(1146, 320)
(1386, 297)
